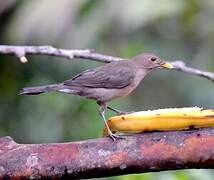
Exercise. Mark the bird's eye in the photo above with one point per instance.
(153, 59)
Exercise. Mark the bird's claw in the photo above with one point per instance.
(118, 112)
(124, 113)
(114, 137)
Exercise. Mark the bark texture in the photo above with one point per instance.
(146, 152)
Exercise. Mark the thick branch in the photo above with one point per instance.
(146, 152)
(21, 52)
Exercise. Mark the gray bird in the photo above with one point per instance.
(107, 82)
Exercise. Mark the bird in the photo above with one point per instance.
(107, 82)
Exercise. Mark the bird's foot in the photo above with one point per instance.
(114, 137)
(119, 112)
(124, 113)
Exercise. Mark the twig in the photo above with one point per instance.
(146, 152)
(180, 66)
(21, 52)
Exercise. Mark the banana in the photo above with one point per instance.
(161, 120)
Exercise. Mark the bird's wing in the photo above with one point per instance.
(103, 77)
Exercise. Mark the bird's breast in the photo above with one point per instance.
(128, 89)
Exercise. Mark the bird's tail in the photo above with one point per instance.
(39, 89)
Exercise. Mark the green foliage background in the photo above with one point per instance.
(173, 29)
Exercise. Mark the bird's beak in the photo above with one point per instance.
(167, 65)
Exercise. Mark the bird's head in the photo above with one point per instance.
(150, 61)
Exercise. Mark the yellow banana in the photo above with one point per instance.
(161, 120)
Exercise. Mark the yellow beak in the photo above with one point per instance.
(167, 65)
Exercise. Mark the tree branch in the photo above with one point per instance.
(21, 52)
(180, 66)
(146, 152)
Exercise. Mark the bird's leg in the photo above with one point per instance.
(102, 114)
(117, 111)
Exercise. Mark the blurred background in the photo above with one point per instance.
(177, 29)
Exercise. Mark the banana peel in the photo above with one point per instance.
(161, 120)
